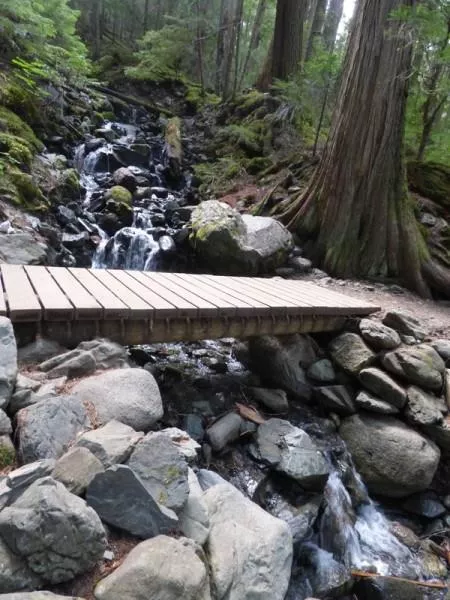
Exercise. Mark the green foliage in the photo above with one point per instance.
(216, 176)
(7, 456)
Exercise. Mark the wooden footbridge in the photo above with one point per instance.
(131, 307)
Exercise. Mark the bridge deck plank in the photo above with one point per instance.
(86, 306)
(139, 309)
(162, 308)
(55, 304)
(113, 308)
(23, 304)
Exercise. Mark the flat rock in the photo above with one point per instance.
(250, 551)
(62, 418)
(351, 353)
(322, 371)
(22, 249)
(8, 360)
(39, 351)
(379, 336)
(194, 517)
(56, 533)
(73, 364)
(381, 384)
(366, 401)
(111, 444)
(224, 431)
(119, 497)
(393, 459)
(161, 568)
(15, 575)
(130, 396)
(335, 398)
(405, 324)
(76, 469)
(422, 408)
(107, 354)
(420, 365)
(275, 400)
(24, 476)
(162, 469)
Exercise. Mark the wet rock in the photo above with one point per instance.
(73, 364)
(194, 517)
(128, 395)
(162, 469)
(8, 361)
(420, 365)
(167, 245)
(73, 241)
(62, 418)
(125, 178)
(274, 400)
(300, 519)
(382, 385)
(224, 431)
(5, 423)
(291, 451)
(15, 575)
(350, 353)
(424, 504)
(193, 424)
(120, 499)
(161, 568)
(56, 533)
(405, 324)
(233, 244)
(394, 589)
(442, 347)
(422, 408)
(76, 469)
(322, 371)
(22, 249)
(328, 578)
(65, 216)
(300, 264)
(111, 444)
(244, 535)
(379, 336)
(392, 459)
(335, 398)
(366, 401)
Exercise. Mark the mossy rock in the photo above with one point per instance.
(431, 180)
(15, 150)
(27, 193)
(257, 165)
(119, 195)
(14, 125)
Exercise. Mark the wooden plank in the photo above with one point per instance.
(258, 307)
(2, 298)
(278, 305)
(204, 308)
(113, 308)
(139, 309)
(23, 304)
(162, 308)
(86, 306)
(183, 308)
(224, 307)
(55, 303)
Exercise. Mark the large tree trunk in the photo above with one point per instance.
(356, 208)
(288, 38)
(255, 37)
(332, 20)
(316, 28)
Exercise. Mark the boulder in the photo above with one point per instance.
(162, 469)
(291, 451)
(15, 575)
(381, 384)
(8, 361)
(76, 469)
(71, 364)
(392, 459)
(56, 533)
(107, 354)
(274, 400)
(111, 444)
(366, 401)
(250, 551)
(420, 365)
(120, 499)
(39, 351)
(300, 519)
(5, 423)
(422, 408)
(22, 249)
(379, 336)
(128, 395)
(194, 517)
(335, 398)
(224, 430)
(62, 418)
(322, 371)
(230, 243)
(350, 353)
(161, 568)
(442, 347)
(439, 433)
(405, 324)
(125, 178)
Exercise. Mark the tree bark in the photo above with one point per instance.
(356, 208)
(316, 28)
(255, 37)
(288, 38)
(238, 28)
(332, 21)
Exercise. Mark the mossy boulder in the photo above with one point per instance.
(119, 202)
(230, 243)
(20, 189)
(65, 186)
(119, 195)
(431, 180)
(14, 125)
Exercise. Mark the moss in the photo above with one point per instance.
(120, 195)
(257, 165)
(196, 98)
(240, 137)
(431, 180)
(172, 473)
(14, 125)
(28, 193)
(15, 150)
(7, 456)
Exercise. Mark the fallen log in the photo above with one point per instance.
(132, 100)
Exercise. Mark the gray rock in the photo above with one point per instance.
(300, 519)
(405, 324)
(442, 347)
(250, 551)
(119, 497)
(22, 249)
(51, 388)
(381, 384)
(194, 517)
(161, 568)
(422, 408)
(62, 418)
(329, 578)
(24, 476)
(163, 470)
(5, 423)
(5, 493)
(424, 504)
(125, 178)
(57, 534)
(185, 444)
(420, 365)
(224, 431)
(440, 434)
(36, 596)
(366, 401)
(76, 469)
(350, 353)
(39, 351)
(128, 395)
(107, 354)
(290, 450)
(379, 336)
(300, 264)
(73, 364)
(15, 575)
(322, 371)
(234, 244)
(111, 444)
(8, 360)
(392, 459)
(335, 398)
(275, 400)
(385, 588)
(282, 362)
